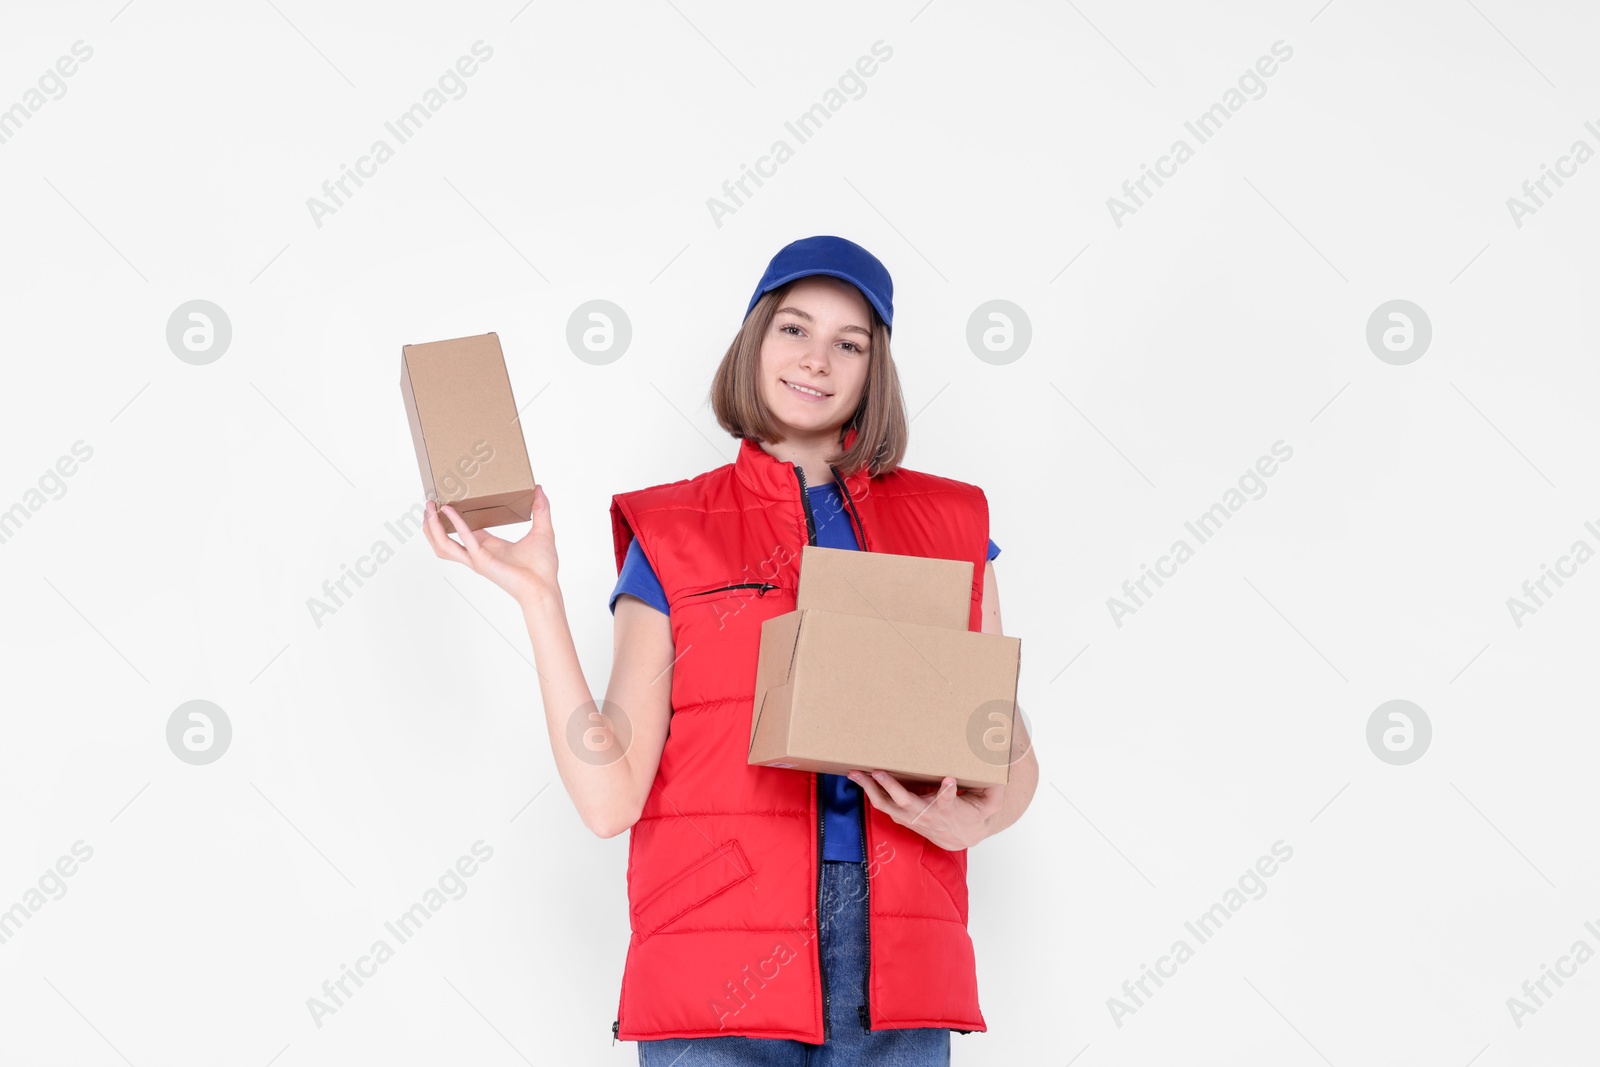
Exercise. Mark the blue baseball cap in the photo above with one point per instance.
(834, 256)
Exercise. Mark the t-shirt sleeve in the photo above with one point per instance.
(994, 549)
(638, 578)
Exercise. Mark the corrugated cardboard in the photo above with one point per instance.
(875, 668)
(466, 432)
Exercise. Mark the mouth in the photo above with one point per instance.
(806, 392)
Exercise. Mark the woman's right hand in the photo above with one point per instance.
(525, 568)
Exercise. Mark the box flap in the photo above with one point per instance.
(497, 515)
(769, 733)
(779, 639)
(881, 585)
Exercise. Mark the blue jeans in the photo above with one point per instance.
(842, 933)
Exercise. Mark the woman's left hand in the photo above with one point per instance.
(951, 820)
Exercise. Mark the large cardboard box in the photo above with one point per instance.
(465, 428)
(875, 668)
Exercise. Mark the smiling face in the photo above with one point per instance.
(814, 356)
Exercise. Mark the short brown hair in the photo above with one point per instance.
(880, 417)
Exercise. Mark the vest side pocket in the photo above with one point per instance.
(949, 873)
(706, 877)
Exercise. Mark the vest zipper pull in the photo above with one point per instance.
(614, 1028)
(866, 1020)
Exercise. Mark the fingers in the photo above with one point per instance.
(468, 538)
(891, 785)
(896, 797)
(443, 546)
(540, 513)
(468, 553)
(539, 516)
(873, 792)
(888, 795)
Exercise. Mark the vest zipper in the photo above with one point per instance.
(805, 500)
(864, 1013)
(850, 502)
(816, 780)
(821, 968)
(760, 588)
(614, 1028)
(866, 976)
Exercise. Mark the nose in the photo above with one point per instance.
(815, 358)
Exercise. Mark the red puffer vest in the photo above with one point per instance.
(723, 863)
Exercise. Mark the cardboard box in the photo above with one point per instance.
(465, 428)
(875, 668)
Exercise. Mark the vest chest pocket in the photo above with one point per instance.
(708, 876)
(721, 606)
(759, 589)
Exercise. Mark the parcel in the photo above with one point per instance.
(876, 669)
(465, 428)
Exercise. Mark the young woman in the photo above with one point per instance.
(776, 919)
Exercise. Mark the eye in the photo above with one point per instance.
(788, 326)
(854, 346)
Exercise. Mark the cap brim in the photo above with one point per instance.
(865, 293)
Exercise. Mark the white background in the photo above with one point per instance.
(1228, 313)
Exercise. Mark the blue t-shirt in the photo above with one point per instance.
(841, 798)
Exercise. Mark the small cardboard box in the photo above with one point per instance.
(465, 428)
(875, 668)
